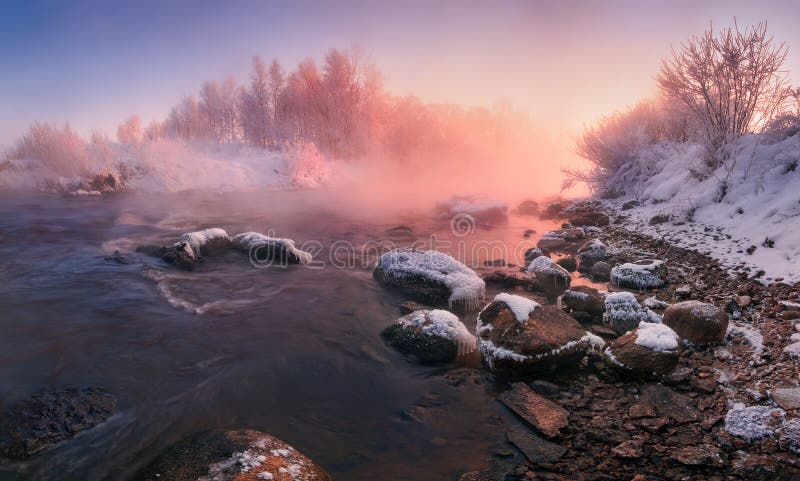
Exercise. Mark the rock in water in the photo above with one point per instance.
(431, 336)
(532, 253)
(584, 299)
(568, 263)
(527, 207)
(517, 336)
(697, 322)
(431, 277)
(623, 312)
(265, 250)
(35, 424)
(239, 455)
(649, 349)
(642, 275)
(193, 246)
(541, 413)
(552, 278)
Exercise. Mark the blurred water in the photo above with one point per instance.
(293, 352)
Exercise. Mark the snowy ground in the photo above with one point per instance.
(756, 225)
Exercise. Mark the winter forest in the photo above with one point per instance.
(490, 241)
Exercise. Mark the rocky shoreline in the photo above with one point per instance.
(723, 413)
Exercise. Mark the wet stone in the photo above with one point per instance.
(535, 448)
(541, 413)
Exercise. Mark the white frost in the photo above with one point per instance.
(250, 240)
(465, 286)
(752, 422)
(198, 239)
(658, 337)
(442, 324)
(642, 276)
(522, 307)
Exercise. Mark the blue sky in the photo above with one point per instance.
(93, 63)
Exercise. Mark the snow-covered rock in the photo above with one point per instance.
(192, 246)
(601, 271)
(431, 336)
(264, 249)
(642, 275)
(623, 312)
(584, 299)
(430, 276)
(753, 422)
(513, 342)
(480, 210)
(551, 277)
(697, 322)
(649, 349)
(231, 456)
(589, 253)
(789, 435)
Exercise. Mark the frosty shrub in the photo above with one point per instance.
(305, 165)
(732, 82)
(60, 150)
(616, 141)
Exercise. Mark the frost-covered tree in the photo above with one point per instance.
(130, 131)
(731, 81)
(275, 86)
(255, 106)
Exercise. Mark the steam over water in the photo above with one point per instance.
(293, 352)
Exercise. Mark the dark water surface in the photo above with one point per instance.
(292, 352)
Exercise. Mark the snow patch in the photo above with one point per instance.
(658, 337)
(522, 307)
(752, 422)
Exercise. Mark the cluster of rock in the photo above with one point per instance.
(193, 247)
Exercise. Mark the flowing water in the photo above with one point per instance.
(295, 352)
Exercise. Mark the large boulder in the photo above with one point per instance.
(266, 251)
(584, 299)
(649, 349)
(34, 424)
(517, 336)
(590, 253)
(237, 455)
(551, 277)
(697, 322)
(642, 275)
(431, 277)
(624, 313)
(431, 336)
(532, 253)
(550, 244)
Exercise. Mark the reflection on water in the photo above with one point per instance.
(293, 352)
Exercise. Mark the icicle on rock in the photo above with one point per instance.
(641, 275)
(431, 336)
(431, 277)
(265, 250)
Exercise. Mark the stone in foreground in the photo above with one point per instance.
(238, 455)
(535, 448)
(786, 397)
(518, 336)
(431, 336)
(623, 312)
(541, 413)
(34, 424)
(697, 322)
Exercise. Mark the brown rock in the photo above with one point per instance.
(697, 322)
(624, 353)
(787, 398)
(584, 299)
(535, 448)
(700, 455)
(628, 450)
(541, 413)
(669, 403)
(548, 339)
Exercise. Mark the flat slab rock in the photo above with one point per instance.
(541, 413)
(236, 455)
(49, 417)
(668, 403)
(535, 448)
(786, 397)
